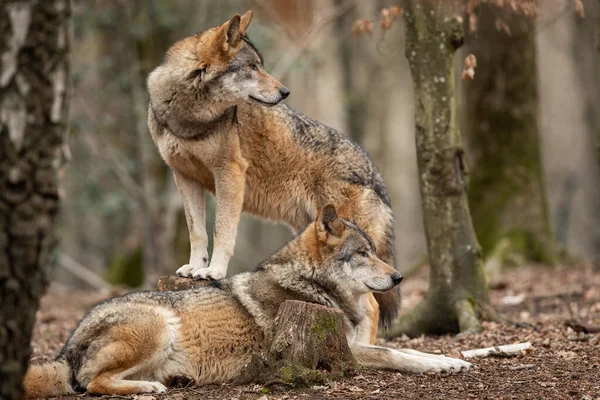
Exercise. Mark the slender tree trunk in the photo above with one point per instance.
(501, 126)
(457, 295)
(598, 85)
(34, 74)
(597, 16)
(587, 68)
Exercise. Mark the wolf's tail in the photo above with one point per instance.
(50, 379)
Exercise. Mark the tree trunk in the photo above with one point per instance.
(309, 347)
(597, 263)
(34, 74)
(457, 295)
(501, 128)
(586, 63)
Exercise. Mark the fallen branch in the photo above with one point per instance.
(506, 351)
(579, 326)
(520, 367)
(83, 273)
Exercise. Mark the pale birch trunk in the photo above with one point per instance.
(34, 72)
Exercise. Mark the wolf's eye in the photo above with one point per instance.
(253, 67)
(363, 253)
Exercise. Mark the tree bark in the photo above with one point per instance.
(309, 347)
(585, 40)
(500, 119)
(457, 296)
(597, 263)
(170, 282)
(34, 72)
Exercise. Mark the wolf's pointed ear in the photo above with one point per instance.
(328, 222)
(245, 21)
(229, 33)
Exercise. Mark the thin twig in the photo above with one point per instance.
(117, 166)
(290, 57)
(82, 272)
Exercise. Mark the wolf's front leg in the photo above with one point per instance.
(367, 329)
(230, 180)
(194, 207)
(406, 360)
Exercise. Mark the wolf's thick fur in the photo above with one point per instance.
(135, 343)
(215, 116)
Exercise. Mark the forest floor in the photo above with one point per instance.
(562, 364)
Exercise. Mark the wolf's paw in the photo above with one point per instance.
(417, 362)
(457, 365)
(209, 273)
(438, 362)
(153, 387)
(188, 270)
(198, 260)
(185, 271)
(447, 364)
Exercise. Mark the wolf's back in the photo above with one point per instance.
(49, 379)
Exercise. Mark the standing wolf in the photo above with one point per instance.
(215, 116)
(137, 342)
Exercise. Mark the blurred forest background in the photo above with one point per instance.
(530, 123)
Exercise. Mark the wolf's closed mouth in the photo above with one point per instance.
(261, 101)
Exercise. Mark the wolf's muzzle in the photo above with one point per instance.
(284, 92)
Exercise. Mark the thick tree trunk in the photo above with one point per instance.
(34, 74)
(458, 294)
(501, 128)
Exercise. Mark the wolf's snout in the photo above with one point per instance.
(397, 278)
(285, 92)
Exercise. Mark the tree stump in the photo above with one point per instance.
(169, 282)
(309, 347)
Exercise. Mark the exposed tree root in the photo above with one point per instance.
(424, 318)
(467, 318)
(433, 315)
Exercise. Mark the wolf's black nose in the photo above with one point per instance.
(397, 278)
(285, 92)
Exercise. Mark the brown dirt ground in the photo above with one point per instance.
(562, 364)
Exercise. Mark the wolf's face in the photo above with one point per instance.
(349, 255)
(223, 66)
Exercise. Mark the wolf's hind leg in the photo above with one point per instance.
(116, 362)
(132, 354)
(230, 182)
(110, 383)
(194, 206)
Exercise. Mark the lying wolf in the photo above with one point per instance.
(216, 118)
(135, 343)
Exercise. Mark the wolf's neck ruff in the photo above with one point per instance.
(198, 130)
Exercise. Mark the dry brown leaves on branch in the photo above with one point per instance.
(388, 16)
(469, 67)
(527, 8)
(362, 25)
